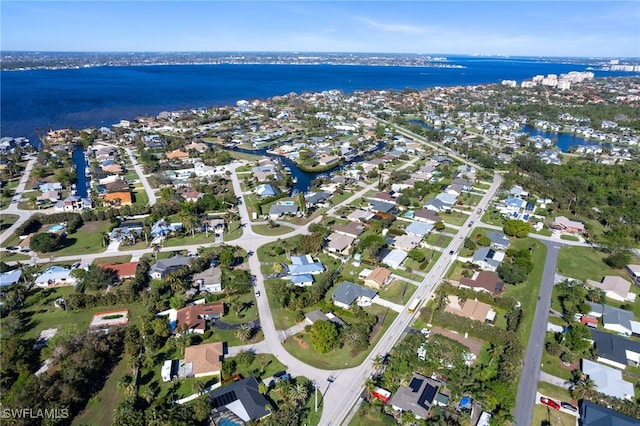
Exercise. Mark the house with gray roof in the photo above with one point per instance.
(209, 280)
(498, 240)
(395, 258)
(242, 398)
(301, 265)
(348, 292)
(419, 229)
(615, 319)
(487, 258)
(55, 276)
(437, 205)
(162, 267)
(276, 210)
(418, 397)
(10, 277)
(381, 206)
(615, 350)
(607, 380)
(301, 280)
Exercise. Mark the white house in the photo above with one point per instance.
(395, 258)
(55, 276)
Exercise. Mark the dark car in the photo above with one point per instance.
(12, 248)
(451, 252)
(279, 374)
(569, 407)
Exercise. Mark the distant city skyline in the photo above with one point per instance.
(510, 28)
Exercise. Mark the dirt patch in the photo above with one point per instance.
(571, 366)
(300, 341)
(93, 226)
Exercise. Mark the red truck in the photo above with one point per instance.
(549, 403)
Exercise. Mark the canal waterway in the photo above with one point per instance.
(80, 163)
(564, 141)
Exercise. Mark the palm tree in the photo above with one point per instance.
(198, 387)
(244, 332)
(378, 363)
(493, 351)
(584, 389)
(174, 281)
(369, 387)
(235, 305)
(156, 249)
(147, 394)
(298, 394)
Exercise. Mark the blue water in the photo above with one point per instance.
(31, 101)
(564, 140)
(56, 228)
(226, 422)
(81, 163)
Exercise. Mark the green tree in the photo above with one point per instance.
(324, 336)
(516, 228)
(45, 242)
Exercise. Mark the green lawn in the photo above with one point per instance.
(6, 220)
(113, 259)
(438, 240)
(569, 237)
(405, 274)
(371, 416)
(339, 198)
(493, 218)
(187, 239)
(140, 197)
(282, 318)
(552, 364)
(11, 256)
(242, 155)
(543, 416)
(398, 292)
(527, 293)
(266, 252)
(555, 392)
(263, 366)
(584, 263)
(454, 218)
(300, 346)
(87, 239)
(248, 309)
(99, 409)
(234, 232)
(264, 230)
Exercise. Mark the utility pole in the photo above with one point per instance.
(315, 385)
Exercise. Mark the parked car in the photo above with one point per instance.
(425, 332)
(569, 407)
(549, 403)
(258, 293)
(12, 248)
(24, 250)
(279, 374)
(75, 265)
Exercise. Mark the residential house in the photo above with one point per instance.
(126, 232)
(404, 242)
(426, 215)
(341, 244)
(418, 397)
(464, 184)
(448, 199)
(499, 240)
(278, 209)
(305, 264)
(52, 196)
(162, 267)
(483, 281)
(471, 309)
(10, 277)
(191, 196)
(318, 315)
(314, 198)
(301, 280)
(596, 415)
(348, 292)
(360, 215)
(515, 204)
(73, 203)
(380, 206)
(618, 320)
(177, 155)
(266, 190)
(384, 197)
(50, 186)
(436, 205)
(209, 280)
(112, 168)
(566, 225)
(242, 398)
(124, 271)
(395, 258)
(607, 380)
(419, 229)
(615, 350)
(634, 271)
(615, 288)
(205, 359)
(487, 258)
(117, 186)
(351, 229)
(194, 318)
(378, 278)
(118, 199)
(55, 276)
(161, 228)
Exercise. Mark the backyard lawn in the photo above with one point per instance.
(87, 239)
(140, 196)
(584, 263)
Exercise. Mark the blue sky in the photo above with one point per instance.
(537, 28)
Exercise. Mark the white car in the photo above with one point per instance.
(425, 332)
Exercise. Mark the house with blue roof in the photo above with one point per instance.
(162, 228)
(55, 276)
(302, 280)
(305, 265)
(266, 190)
(10, 277)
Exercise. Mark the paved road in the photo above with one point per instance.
(143, 179)
(13, 206)
(528, 384)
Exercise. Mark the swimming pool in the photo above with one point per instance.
(227, 422)
(55, 228)
(409, 214)
(287, 203)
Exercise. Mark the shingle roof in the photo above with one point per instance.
(246, 391)
(348, 292)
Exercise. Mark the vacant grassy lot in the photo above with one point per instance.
(438, 240)
(265, 230)
(555, 392)
(113, 259)
(187, 239)
(140, 197)
(234, 232)
(370, 416)
(454, 218)
(338, 198)
(87, 239)
(263, 366)
(301, 347)
(584, 263)
(246, 310)
(398, 292)
(6, 220)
